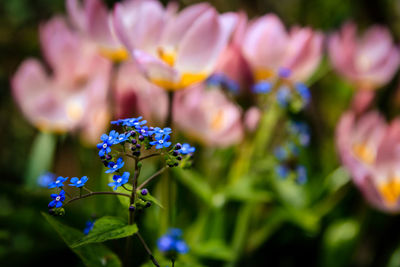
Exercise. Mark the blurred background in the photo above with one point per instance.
(351, 234)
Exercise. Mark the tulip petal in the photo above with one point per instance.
(202, 44)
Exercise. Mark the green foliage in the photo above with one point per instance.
(106, 228)
(91, 255)
(41, 157)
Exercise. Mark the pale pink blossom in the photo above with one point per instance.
(184, 52)
(74, 93)
(369, 61)
(93, 20)
(208, 116)
(370, 150)
(269, 47)
(231, 62)
(136, 96)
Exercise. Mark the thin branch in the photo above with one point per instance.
(152, 177)
(96, 193)
(149, 156)
(127, 189)
(147, 249)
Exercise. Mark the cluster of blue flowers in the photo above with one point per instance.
(223, 81)
(172, 243)
(140, 137)
(287, 154)
(59, 198)
(289, 94)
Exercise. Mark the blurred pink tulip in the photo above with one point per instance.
(74, 93)
(370, 150)
(370, 61)
(208, 116)
(269, 47)
(184, 52)
(231, 61)
(136, 96)
(93, 20)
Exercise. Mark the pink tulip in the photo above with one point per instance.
(370, 150)
(268, 47)
(208, 116)
(93, 20)
(136, 96)
(304, 52)
(252, 118)
(231, 62)
(370, 61)
(184, 52)
(77, 88)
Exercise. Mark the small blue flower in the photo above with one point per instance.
(108, 141)
(161, 132)
(282, 171)
(304, 92)
(186, 149)
(281, 153)
(301, 131)
(78, 183)
(172, 242)
(262, 87)
(115, 166)
(301, 172)
(119, 180)
(46, 179)
(284, 72)
(161, 142)
(283, 96)
(144, 130)
(89, 227)
(134, 122)
(58, 182)
(122, 138)
(220, 79)
(57, 199)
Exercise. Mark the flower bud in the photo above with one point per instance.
(144, 192)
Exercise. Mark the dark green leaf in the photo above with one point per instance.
(107, 228)
(91, 255)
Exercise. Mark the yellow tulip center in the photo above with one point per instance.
(167, 57)
(263, 74)
(116, 55)
(390, 191)
(364, 153)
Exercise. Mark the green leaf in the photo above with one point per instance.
(339, 241)
(213, 249)
(107, 228)
(244, 190)
(40, 158)
(91, 255)
(195, 183)
(125, 201)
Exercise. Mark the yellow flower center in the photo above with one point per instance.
(263, 74)
(167, 57)
(390, 191)
(364, 153)
(116, 55)
(186, 80)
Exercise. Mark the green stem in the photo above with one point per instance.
(153, 260)
(149, 156)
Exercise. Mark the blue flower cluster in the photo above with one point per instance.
(222, 80)
(172, 243)
(137, 137)
(289, 94)
(58, 199)
(287, 154)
